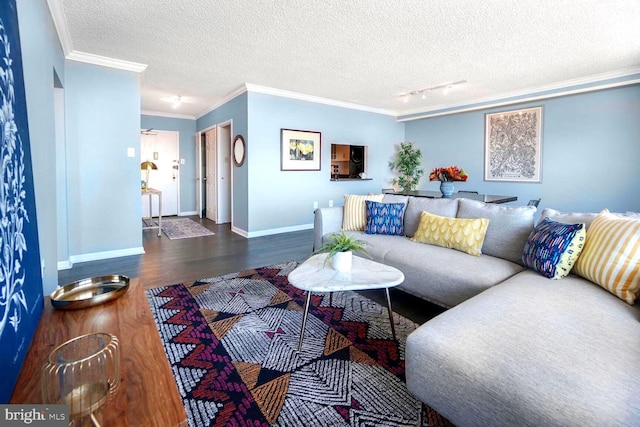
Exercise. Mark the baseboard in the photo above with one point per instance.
(96, 256)
(240, 231)
(64, 265)
(271, 231)
(187, 213)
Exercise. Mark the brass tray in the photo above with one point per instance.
(89, 292)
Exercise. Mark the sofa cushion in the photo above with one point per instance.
(384, 218)
(509, 227)
(465, 235)
(441, 275)
(569, 217)
(416, 205)
(553, 248)
(395, 198)
(531, 352)
(354, 216)
(611, 255)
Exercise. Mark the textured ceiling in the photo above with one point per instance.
(366, 52)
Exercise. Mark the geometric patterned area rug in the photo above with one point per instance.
(183, 228)
(232, 344)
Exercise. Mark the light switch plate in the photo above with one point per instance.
(131, 152)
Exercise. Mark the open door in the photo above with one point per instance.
(224, 173)
(210, 186)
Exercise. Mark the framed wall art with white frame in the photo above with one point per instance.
(300, 150)
(513, 146)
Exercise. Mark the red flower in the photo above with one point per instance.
(452, 173)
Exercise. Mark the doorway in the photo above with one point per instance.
(161, 148)
(213, 180)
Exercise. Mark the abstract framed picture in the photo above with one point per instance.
(300, 150)
(513, 146)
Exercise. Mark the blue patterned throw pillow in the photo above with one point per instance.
(553, 247)
(385, 218)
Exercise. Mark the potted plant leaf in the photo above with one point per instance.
(340, 248)
(407, 164)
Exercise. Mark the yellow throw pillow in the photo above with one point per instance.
(611, 255)
(466, 235)
(355, 212)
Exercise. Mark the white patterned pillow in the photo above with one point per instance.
(355, 212)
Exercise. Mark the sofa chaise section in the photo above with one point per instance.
(531, 351)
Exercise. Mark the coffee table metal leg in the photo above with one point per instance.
(304, 319)
(393, 328)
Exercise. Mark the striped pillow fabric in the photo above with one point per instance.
(355, 212)
(611, 255)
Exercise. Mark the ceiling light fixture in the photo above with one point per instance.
(177, 101)
(423, 92)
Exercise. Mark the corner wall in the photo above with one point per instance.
(41, 56)
(283, 200)
(102, 121)
(590, 149)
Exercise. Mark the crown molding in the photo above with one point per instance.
(317, 99)
(564, 88)
(169, 115)
(104, 61)
(60, 22)
(239, 91)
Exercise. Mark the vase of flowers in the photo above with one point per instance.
(447, 176)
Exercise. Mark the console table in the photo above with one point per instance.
(486, 198)
(153, 192)
(147, 395)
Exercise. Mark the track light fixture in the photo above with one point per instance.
(177, 101)
(446, 87)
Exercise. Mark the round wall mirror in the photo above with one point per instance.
(239, 150)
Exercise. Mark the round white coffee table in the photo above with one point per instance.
(314, 276)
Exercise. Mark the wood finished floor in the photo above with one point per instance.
(167, 262)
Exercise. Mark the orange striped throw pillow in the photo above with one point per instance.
(355, 212)
(611, 255)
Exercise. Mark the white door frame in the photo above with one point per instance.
(224, 161)
(199, 162)
(199, 186)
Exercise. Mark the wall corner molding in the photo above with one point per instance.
(60, 22)
(104, 61)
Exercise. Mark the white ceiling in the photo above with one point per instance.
(365, 52)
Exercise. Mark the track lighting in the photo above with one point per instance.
(177, 101)
(446, 87)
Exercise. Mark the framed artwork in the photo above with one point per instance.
(513, 146)
(21, 299)
(299, 150)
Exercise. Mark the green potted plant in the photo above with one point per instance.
(340, 248)
(407, 164)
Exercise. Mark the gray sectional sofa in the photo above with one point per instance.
(515, 348)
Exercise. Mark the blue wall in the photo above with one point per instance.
(284, 199)
(591, 148)
(41, 55)
(187, 147)
(236, 111)
(103, 120)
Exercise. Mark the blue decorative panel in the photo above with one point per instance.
(21, 299)
(385, 218)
